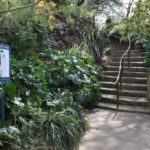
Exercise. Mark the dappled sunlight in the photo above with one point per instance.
(69, 57)
(124, 132)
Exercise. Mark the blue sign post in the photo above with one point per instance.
(4, 73)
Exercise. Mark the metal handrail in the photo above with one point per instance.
(120, 73)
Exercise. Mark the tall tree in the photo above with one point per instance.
(130, 4)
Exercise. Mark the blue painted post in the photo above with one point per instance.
(4, 73)
(2, 109)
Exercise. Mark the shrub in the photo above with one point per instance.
(46, 95)
(96, 40)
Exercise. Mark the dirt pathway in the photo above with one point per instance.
(121, 131)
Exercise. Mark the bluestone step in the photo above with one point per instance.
(131, 54)
(135, 69)
(132, 64)
(131, 51)
(139, 58)
(126, 74)
(126, 79)
(132, 95)
(122, 108)
(129, 86)
(125, 100)
(123, 92)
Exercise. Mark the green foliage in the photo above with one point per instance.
(61, 1)
(9, 133)
(47, 89)
(137, 27)
(10, 90)
(74, 10)
(26, 30)
(73, 74)
(146, 45)
(70, 20)
(59, 130)
(1, 92)
(108, 50)
(96, 40)
(56, 130)
(45, 95)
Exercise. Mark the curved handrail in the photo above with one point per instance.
(121, 61)
(120, 73)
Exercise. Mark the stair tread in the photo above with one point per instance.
(125, 98)
(126, 64)
(132, 50)
(126, 71)
(132, 53)
(134, 82)
(131, 109)
(129, 84)
(133, 62)
(131, 69)
(138, 78)
(131, 56)
(123, 90)
(127, 67)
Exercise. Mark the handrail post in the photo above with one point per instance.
(120, 78)
(129, 57)
(117, 93)
(118, 83)
(121, 74)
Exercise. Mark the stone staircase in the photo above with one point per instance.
(134, 82)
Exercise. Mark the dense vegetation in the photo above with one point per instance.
(48, 88)
(136, 27)
(46, 96)
(54, 47)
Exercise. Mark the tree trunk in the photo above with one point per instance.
(129, 7)
(80, 2)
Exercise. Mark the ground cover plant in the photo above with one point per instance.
(49, 89)
(96, 41)
(47, 95)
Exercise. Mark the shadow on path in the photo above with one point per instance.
(121, 131)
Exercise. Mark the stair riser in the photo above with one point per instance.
(116, 48)
(122, 102)
(126, 87)
(126, 80)
(131, 59)
(134, 82)
(124, 93)
(126, 64)
(131, 54)
(110, 68)
(127, 74)
(123, 108)
(131, 51)
(120, 47)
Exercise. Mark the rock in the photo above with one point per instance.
(63, 36)
(61, 16)
(72, 39)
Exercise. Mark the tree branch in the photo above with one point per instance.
(20, 8)
(129, 8)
